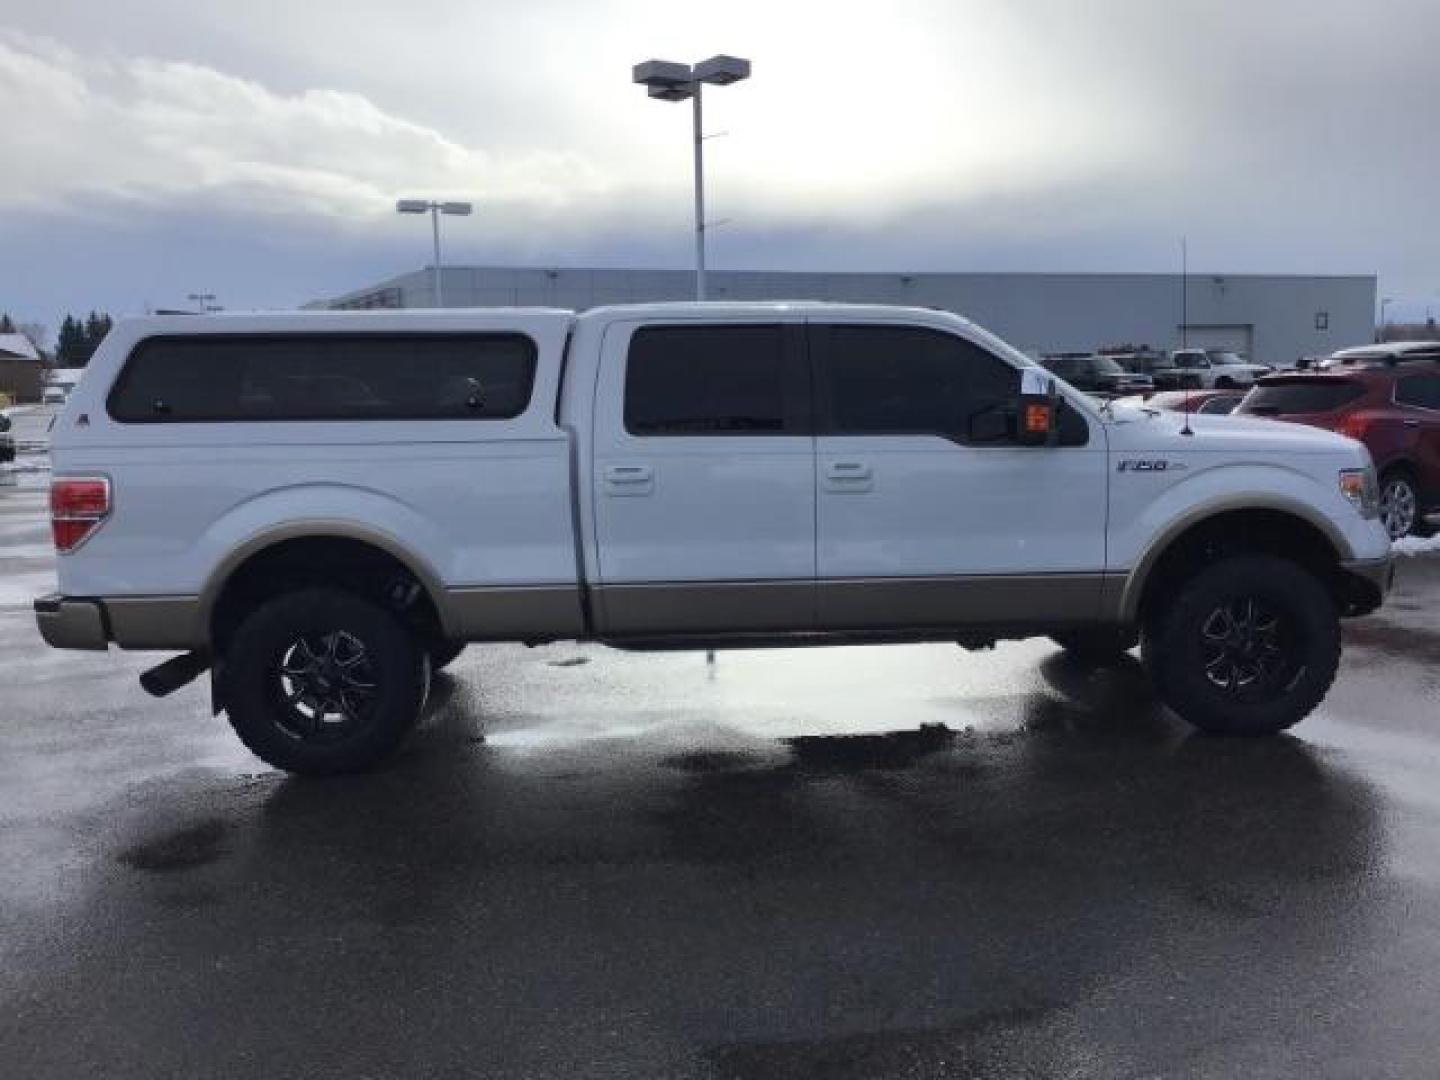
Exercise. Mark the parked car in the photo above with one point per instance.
(1215, 369)
(1201, 402)
(1387, 397)
(671, 476)
(1157, 366)
(1382, 353)
(1101, 375)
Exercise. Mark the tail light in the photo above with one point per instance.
(78, 506)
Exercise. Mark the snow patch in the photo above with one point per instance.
(19, 590)
(1414, 545)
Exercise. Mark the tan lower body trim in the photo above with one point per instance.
(980, 600)
(155, 622)
(836, 606)
(508, 613)
(710, 607)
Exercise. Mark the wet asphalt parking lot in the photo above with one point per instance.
(861, 862)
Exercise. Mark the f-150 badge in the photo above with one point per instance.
(1149, 465)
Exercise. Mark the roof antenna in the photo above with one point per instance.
(1185, 325)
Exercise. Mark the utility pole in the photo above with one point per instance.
(1184, 293)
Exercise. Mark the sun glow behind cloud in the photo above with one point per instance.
(834, 121)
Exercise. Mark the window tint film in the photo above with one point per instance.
(1422, 390)
(1301, 396)
(326, 377)
(906, 380)
(705, 380)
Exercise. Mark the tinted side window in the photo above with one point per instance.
(1422, 390)
(908, 380)
(326, 377)
(706, 380)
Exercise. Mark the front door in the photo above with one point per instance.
(704, 479)
(928, 513)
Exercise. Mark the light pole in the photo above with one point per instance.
(1384, 303)
(669, 81)
(434, 209)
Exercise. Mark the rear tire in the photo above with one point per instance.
(1247, 646)
(323, 681)
(1098, 645)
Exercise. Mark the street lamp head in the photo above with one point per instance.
(722, 70)
(412, 206)
(661, 74)
(680, 92)
(459, 208)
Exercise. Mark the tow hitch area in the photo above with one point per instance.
(164, 679)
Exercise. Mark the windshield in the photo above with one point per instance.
(1221, 356)
(1108, 365)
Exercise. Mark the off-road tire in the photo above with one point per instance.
(1098, 645)
(1174, 648)
(397, 663)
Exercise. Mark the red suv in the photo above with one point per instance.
(1388, 397)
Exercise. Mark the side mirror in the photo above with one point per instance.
(1039, 411)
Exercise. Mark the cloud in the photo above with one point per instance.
(1287, 136)
(101, 128)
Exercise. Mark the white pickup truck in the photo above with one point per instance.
(322, 508)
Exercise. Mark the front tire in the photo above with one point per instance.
(1248, 646)
(323, 681)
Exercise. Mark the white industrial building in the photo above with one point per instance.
(1271, 318)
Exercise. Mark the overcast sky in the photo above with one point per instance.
(155, 148)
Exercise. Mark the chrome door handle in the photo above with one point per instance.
(629, 479)
(852, 476)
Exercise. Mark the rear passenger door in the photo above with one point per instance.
(704, 479)
(928, 512)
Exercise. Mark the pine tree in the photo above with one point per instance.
(6, 325)
(71, 345)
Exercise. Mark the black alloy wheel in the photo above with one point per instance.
(327, 685)
(1248, 652)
